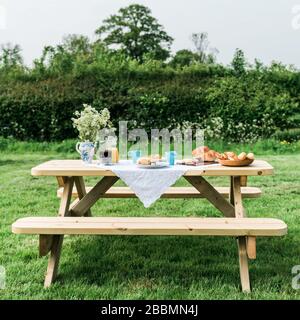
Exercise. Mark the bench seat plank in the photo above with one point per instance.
(150, 226)
(173, 192)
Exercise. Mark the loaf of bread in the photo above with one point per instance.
(205, 154)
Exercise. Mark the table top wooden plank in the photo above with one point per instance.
(77, 168)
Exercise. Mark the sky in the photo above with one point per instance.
(265, 29)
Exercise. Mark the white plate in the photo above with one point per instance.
(153, 166)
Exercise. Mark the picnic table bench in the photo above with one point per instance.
(75, 217)
(171, 193)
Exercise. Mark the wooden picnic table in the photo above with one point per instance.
(70, 176)
(76, 168)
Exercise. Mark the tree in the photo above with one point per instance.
(10, 56)
(201, 43)
(184, 58)
(54, 60)
(136, 32)
(239, 63)
(76, 44)
(63, 57)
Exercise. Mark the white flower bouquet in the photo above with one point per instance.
(89, 121)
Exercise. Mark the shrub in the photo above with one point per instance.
(249, 108)
(292, 135)
(39, 103)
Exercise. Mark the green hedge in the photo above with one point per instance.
(234, 108)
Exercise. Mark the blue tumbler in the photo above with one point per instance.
(171, 157)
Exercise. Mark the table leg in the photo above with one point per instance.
(79, 208)
(241, 212)
(57, 240)
(236, 197)
(93, 196)
(212, 195)
(244, 180)
(66, 197)
(80, 186)
(251, 248)
(60, 181)
(236, 200)
(231, 194)
(243, 261)
(233, 208)
(251, 241)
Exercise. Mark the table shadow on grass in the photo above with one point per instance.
(167, 261)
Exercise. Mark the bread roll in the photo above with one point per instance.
(242, 156)
(144, 161)
(155, 157)
(250, 156)
(230, 154)
(222, 156)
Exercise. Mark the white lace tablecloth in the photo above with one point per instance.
(149, 184)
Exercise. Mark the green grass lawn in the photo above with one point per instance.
(147, 267)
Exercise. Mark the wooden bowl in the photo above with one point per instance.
(236, 163)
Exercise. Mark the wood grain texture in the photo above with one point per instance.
(77, 168)
(53, 262)
(171, 193)
(57, 240)
(244, 268)
(45, 244)
(81, 192)
(60, 181)
(150, 226)
(237, 197)
(66, 197)
(251, 248)
(244, 180)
